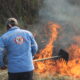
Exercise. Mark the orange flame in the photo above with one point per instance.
(47, 51)
(72, 68)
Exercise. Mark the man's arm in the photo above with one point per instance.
(34, 46)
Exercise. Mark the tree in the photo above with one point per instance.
(23, 10)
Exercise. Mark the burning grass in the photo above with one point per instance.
(56, 69)
(59, 67)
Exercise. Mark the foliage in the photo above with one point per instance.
(23, 10)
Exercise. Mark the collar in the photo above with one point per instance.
(13, 28)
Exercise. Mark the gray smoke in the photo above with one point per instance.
(61, 10)
(67, 14)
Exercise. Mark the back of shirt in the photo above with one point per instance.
(21, 46)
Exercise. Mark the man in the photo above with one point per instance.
(21, 47)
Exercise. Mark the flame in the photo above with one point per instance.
(74, 63)
(47, 51)
(77, 39)
(72, 68)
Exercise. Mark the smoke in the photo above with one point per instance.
(61, 10)
(67, 14)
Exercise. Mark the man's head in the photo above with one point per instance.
(11, 22)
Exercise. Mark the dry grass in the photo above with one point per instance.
(58, 77)
(3, 76)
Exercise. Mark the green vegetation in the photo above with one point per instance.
(26, 11)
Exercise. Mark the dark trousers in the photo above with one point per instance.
(21, 76)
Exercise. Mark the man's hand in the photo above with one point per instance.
(3, 67)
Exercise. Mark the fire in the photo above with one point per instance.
(52, 67)
(47, 51)
(74, 51)
(74, 63)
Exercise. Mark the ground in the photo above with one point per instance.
(3, 76)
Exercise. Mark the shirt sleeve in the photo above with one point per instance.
(34, 46)
(1, 52)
